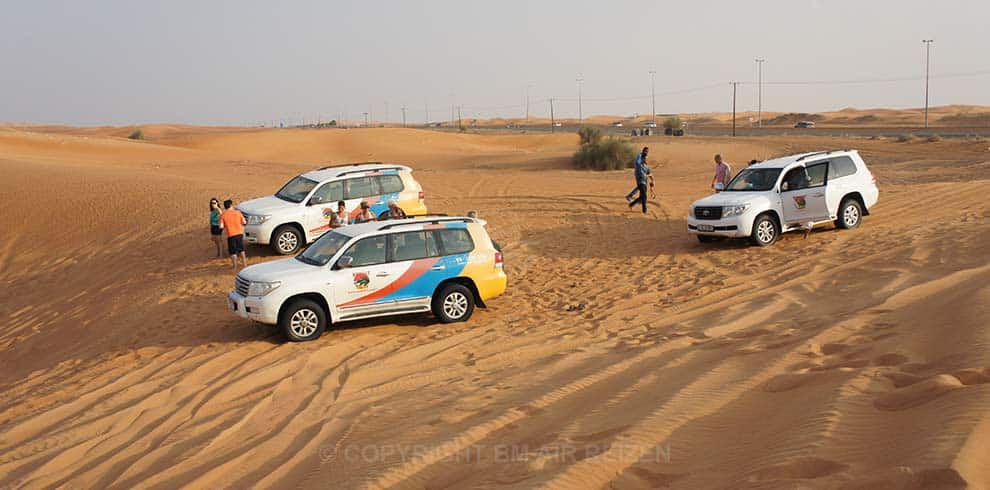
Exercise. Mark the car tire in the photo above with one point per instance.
(453, 303)
(286, 240)
(850, 214)
(302, 320)
(708, 238)
(765, 231)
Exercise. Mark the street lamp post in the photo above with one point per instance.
(759, 92)
(580, 114)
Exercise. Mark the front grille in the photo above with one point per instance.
(242, 285)
(708, 212)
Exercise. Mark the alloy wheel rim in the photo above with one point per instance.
(455, 305)
(304, 322)
(287, 241)
(850, 215)
(765, 231)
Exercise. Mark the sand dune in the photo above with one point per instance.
(624, 354)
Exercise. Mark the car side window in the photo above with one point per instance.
(329, 192)
(796, 178)
(368, 251)
(456, 241)
(817, 174)
(360, 187)
(841, 167)
(390, 184)
(412, 245)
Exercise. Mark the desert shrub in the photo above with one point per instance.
(934, 138)
(136, 135)
(605, 154)
(589, 135)
(672, 123)
(905, 138)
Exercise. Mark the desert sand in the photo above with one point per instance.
(624, 354)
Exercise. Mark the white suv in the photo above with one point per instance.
(300, 211)
(446, 265)
(786, 194)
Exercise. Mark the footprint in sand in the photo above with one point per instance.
(918, 393)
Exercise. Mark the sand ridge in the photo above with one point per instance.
(624, 353)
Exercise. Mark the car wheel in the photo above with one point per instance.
(850, 214)
(286, 240)
(302, 320)
(708, 238)
(765, 230)
(453, 303)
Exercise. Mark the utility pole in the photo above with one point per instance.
(426, 104)
(928, 54)
(553, 123)
(759, 92)
(580, 114)
(653, 94)
(386, 112)
(403, 116)
(460, 124)
(366, 119)
(734, 107)
(527, 102)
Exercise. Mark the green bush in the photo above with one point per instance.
(672, 123)
(906, 138)
(604, 154)
(590, 135)
(136, 135)
(934, 138)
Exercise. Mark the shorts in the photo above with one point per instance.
(215, 230)
(235, 244)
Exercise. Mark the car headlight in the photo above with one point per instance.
(257, 219)
(734, 210)
(262, 288)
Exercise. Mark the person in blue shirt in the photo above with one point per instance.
(642, 173)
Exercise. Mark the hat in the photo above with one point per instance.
(364, 205)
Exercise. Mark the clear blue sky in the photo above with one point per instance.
(244, 62)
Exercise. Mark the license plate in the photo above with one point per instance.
(706, 228)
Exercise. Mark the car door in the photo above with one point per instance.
(841, 181)
(416, 258)
(357, 189)
(320, 208)
(358, 290)
(803, 194)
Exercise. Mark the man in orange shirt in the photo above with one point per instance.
(233, 221)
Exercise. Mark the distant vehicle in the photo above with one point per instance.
(650, 124)
(805, 124)
(558, 124)
(787, 194)
(617, 124)
(300, 211)
(446, 265)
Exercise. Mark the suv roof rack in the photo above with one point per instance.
(432, 222)
(814, 154)
(328, 167)
(367, 170)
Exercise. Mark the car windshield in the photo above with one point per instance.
(754, 179)
(323, 249)
(296, 189)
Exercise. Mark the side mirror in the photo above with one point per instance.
(784, 186)
(314, 201)
(345, 262)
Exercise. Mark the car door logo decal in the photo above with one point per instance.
(361, 280)
(327, 213)
(799, 202)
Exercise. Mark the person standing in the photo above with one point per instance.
(339, 219)
(642, 174)
(394, 211)
(722, 173)
(233, 222)
(365, 215)
(216, 234)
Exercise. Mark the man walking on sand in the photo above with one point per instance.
(722, 173)
(233, 221)
(642, 173)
